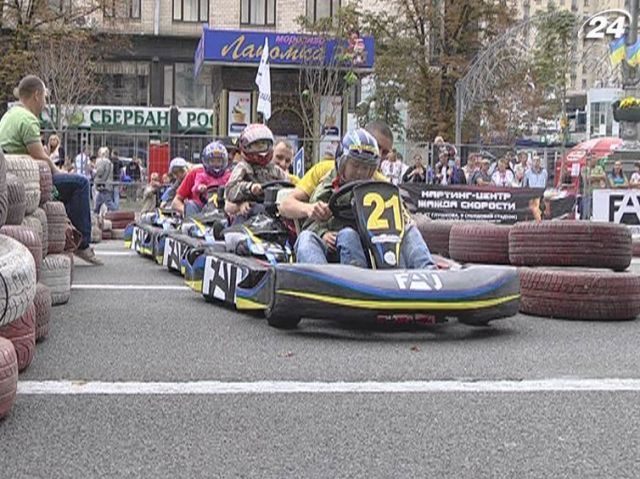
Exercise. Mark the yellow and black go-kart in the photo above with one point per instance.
(288, 292)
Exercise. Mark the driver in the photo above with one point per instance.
(177, 170)
(192, 193)
(254, 169)
(325, 237)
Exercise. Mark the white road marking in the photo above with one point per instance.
(116, 253)
(214, 388)
(142, 287)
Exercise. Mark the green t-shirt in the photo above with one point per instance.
(18, 128)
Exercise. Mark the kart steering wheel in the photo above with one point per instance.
(282, 183)
(343, 211)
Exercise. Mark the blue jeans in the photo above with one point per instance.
(74, 193)
(191, 208)
(104, 198)
(116, 197)
(414, 253)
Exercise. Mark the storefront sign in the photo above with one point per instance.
(235, 46)
(119, 117)
(472, 203)
(618, 206)
(239, 111)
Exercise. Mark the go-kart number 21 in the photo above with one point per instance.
(376, 221)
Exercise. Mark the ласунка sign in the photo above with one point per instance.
(235, 46)
(117, 117)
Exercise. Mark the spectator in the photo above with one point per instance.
(482, 177)
(617, 178)
(392, 168)
(55, 151)
(456, 174)
(117, 167)
(20, 134)
(151, 193)
(471, 167)
(536, 177)
(502, 177)
(441, 170)
(82, 162)
(134, 171)
(283, 156)
(417, 172)
(104, 181)
(635, 178)
(521, 167)
(596, 177)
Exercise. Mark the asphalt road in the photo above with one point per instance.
(120, 335)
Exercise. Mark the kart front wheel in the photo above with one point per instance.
(283, 322)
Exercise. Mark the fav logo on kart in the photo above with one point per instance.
(221, 279)
(173, 251)
(417, 281)
(136, 239)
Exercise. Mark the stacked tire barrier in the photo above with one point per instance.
(119, 220)
(27, 219)
(567, 269)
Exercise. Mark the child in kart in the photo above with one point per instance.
(325, 238)
(192, 193)
(251, 172)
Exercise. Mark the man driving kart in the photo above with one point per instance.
(192, 193)
(251, 172)
(325, 237)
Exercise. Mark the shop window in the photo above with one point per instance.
(319, 9)
(190, 10)
(168, 85)
(123, 83)
(258, 12)
(122, 9)
(183, 90)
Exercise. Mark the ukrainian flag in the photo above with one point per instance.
(633, 54)
(617, 50)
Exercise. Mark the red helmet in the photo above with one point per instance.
(256, 144)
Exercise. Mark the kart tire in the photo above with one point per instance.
(57, 225)
(436, 234)
(42, 216)
(16, 201)
(570, 243)
(283, 322)
(479, 243)
(42, 303)
(46, 183)
(17, 278)
(56, 274)
(34, 224)
(3, 190)
(119, 224)
(107, 225)
(107, 235)
(22, 333)
(28, 238)
(26, 168)
(579, 294)
(8, 376)
(117, 234)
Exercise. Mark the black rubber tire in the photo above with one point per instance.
(42, 216)
(17, 277)
(28, 238)
(579, 294)
(46, 183)
(3, 189)
(283, 322)
(127, 216)
(435, 233)
(16, 202)
(22, 333)
(56, 274)
(570, 243)
(26, 168)
(57, 225)
(479, 243)
(636, 247)
(42, 303)
(8, 376)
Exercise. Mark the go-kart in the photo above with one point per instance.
(288, 292)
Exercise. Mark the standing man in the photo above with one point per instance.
(117, 167)
(82, 162)
(20, 135)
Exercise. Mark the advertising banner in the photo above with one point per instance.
(618, 206)
(496, 205)
(239, 111)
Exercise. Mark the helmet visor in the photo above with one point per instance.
(260, 146)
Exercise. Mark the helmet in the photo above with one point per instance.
(177, 163)
(256, 144)
(359, 145)
(214, 151)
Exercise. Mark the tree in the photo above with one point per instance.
(329, 74)
(425, 46)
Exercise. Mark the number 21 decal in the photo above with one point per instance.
(376, 221)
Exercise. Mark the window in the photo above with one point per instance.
(190, 10)
(168, 85)
(183, 90)
(123, 83)
(318, 9)
(258, 12)
(122, 9)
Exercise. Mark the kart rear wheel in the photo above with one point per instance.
(283, 322)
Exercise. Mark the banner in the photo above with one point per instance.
(239, 111)
(263, 80)
(474, 203)
(618, 206)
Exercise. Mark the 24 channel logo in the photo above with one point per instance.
(610, 23)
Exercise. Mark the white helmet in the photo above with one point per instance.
(177, 163)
